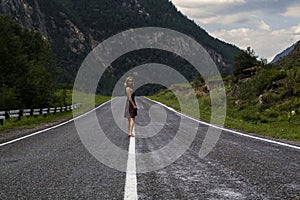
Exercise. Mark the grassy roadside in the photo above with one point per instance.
(31, 122)
(235, 119)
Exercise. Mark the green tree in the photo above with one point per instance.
(26, 67)
(245, 59)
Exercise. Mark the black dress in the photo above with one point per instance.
(130, 112)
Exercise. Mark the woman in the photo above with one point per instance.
(130, 109)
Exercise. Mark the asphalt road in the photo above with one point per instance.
(56, 165)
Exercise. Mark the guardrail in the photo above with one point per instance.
(4, 115)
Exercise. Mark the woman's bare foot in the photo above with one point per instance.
(130, 135)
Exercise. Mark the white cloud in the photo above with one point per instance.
(264, 26)
(211, 15)
(206, 16)
(297, 30)
(266, 43)
(268, 26)
(193, 3)
(293, 11)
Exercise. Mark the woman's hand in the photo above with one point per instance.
(134, 107)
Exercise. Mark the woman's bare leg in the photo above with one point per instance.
(128, 126)
(131, 124)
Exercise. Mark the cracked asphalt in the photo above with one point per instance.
(56, 165)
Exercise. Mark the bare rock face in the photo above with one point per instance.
(68, 41)
(24, 13)
(29, 15)
(74, 38)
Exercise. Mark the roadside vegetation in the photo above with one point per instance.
(28, 77)
(27, 68)
(261, 98)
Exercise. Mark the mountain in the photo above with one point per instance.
(292, 59)
(75, 27)
(283, 53)
(264, 100)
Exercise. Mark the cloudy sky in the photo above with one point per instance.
(268, 26)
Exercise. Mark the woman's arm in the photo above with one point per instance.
(128, 92)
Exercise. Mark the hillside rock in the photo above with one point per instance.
(75, 27)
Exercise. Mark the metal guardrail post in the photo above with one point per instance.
(20, 114)
(2, 117)
(44, 111)
(35, 112)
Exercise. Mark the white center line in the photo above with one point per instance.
(131, 181)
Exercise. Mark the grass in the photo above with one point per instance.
(262, 103)
(278, 130)
(266, 123)
(31, 122)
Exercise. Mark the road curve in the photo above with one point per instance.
(56, 165)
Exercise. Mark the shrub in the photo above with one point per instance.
(272, 113)
(271, 98)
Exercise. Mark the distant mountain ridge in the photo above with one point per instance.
(283, 53)
(75, 27)
(292, 59)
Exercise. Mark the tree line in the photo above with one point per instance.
(27, 68)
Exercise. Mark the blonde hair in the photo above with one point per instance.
(127, 79)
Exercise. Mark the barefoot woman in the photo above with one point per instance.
(130, 109)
